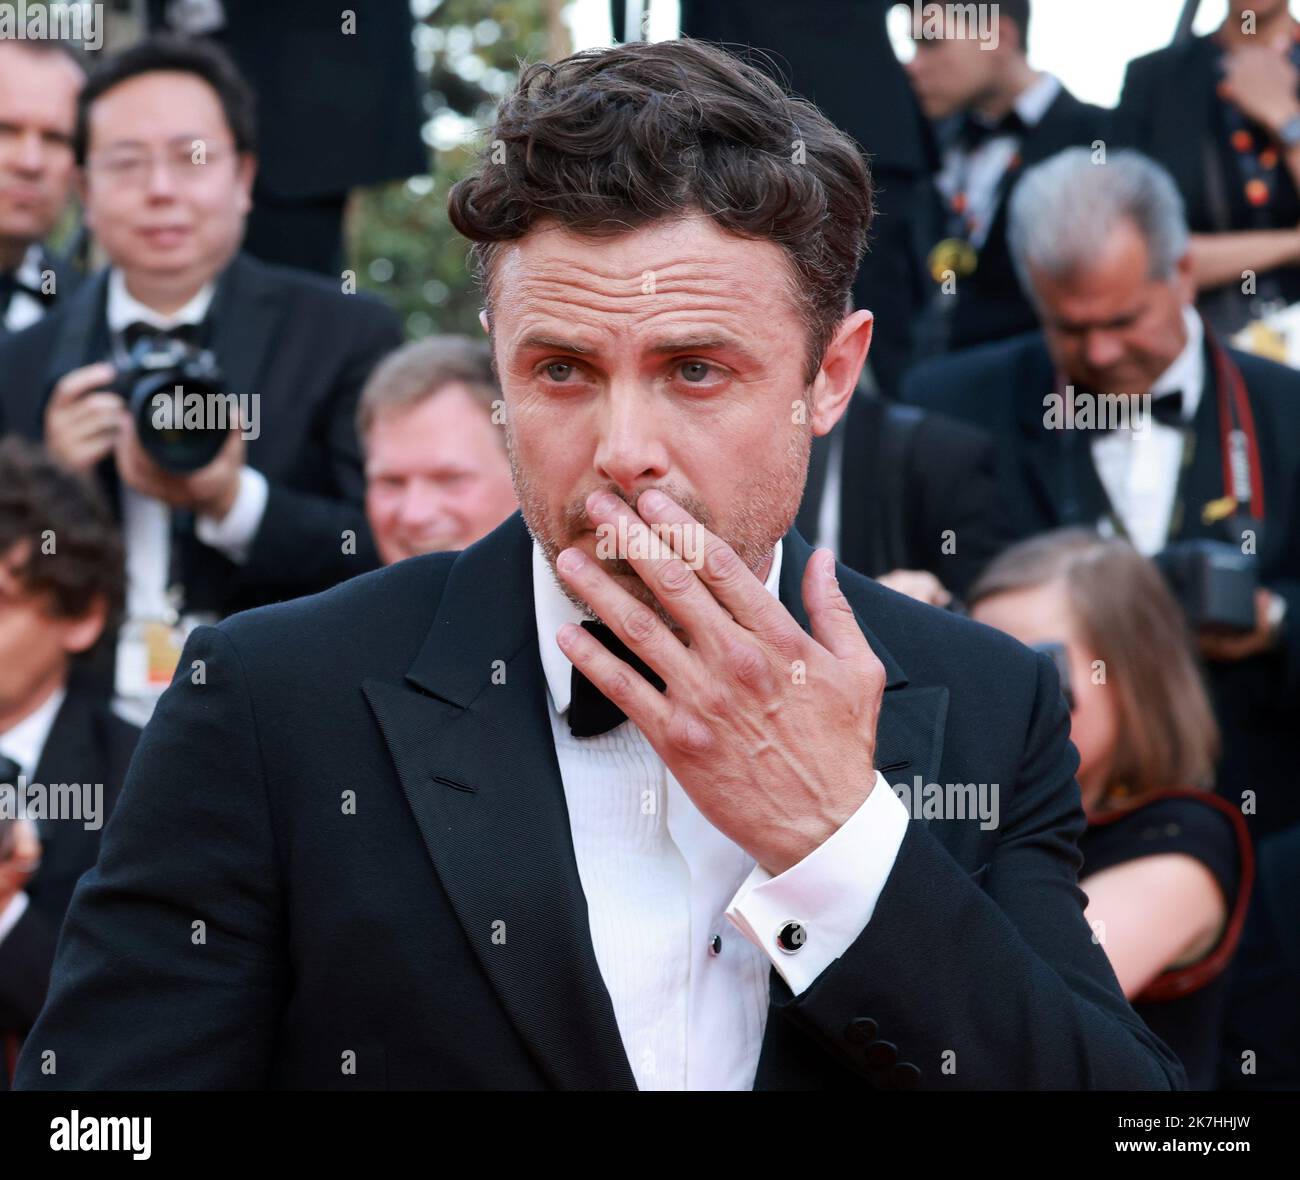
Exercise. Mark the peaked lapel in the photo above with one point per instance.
(469, 732)
(245, 317)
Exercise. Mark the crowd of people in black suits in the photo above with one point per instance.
(1029, 246)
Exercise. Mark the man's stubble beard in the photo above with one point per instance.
(766, 513)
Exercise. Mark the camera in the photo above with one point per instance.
(1214, 583)
(173, 392)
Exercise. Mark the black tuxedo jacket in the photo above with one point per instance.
(1048, 480)
(306, 349)
(335, 109)
(906, 479)
(67, 278)
(1169, 109)
(374, 838)
(990, 304)
(87, 743)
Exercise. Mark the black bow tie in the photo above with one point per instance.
(974, 132)
(1168, 407)
(132, 334)
(11, 285)
(591, 713)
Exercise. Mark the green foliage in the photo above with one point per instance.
(400, 242)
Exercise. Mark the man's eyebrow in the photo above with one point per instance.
(694, 343)
(557, 343)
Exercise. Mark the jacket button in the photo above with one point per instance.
(791, 937)
(861, 1030)
(904, 1076)
(882, 1053)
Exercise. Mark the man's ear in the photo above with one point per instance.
(841, 366)
(1185, 278)
(80, 634)
(483, 321)
(247, 173)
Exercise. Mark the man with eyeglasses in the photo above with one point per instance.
(165, 142)
(39, 81)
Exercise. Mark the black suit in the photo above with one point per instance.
(1171, 111)
(837, 54)
(306, 349)
(989, 305)
(336, 110)
(67, 278)
(1048, 480)
(907, 479)
(86, 743)
(373, 932)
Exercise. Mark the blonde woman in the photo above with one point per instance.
(1167, 865)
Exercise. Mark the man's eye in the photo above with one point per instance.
(559, 370)
(695, 371)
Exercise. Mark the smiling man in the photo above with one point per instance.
(440, 828)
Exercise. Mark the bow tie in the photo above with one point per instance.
(1166, 408)
(11, 285)
(591, 713)
(132, 334)
(973, 132)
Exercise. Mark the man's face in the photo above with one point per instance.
(35, 642)
(1112, 328)
(952, 74)
(165, 191)
(38, 104)
(437, 475)
(669, 357)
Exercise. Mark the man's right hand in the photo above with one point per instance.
(83, 419)
(22, 860)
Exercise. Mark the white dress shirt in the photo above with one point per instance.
(24, 310)
(146, 522)
(24, 744)
(1140, 468)
(980, 172)
(659, 880)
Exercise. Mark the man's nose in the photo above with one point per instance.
(160, 184)
(630, 450)
(1102, 349)
(421, 503)
(30, 154)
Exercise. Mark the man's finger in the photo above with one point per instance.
(834, 625)
(80, 381)
(731, 582)
(633, 622)
(644, 705)
(661, 567)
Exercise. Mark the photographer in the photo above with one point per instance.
(60, 585)
(1167, 865)
(165, 143)
(1126, 413)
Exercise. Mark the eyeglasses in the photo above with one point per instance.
(132, 167)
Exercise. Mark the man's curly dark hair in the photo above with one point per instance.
(40, 501)
(608, 140)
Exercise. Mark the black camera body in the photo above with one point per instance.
(1214, 583)
(173, 391)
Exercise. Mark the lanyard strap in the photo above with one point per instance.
(1238, 441)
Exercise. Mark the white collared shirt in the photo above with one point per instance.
(982, 170)
(23, 309)
(1140, 468)
(146, 522)
(659, 881)
(24, 743)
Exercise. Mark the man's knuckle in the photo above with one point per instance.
(640, 624)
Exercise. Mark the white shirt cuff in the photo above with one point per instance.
(832, 892)
(12, 912)
(234, 533)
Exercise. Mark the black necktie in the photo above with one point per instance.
(591, 713)
(132, 334)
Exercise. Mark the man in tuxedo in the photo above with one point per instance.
(165, 140)
(904, 496)
(997, 115)
(1105, 250)
(437, 829)
(39, 81)
(54, 601)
